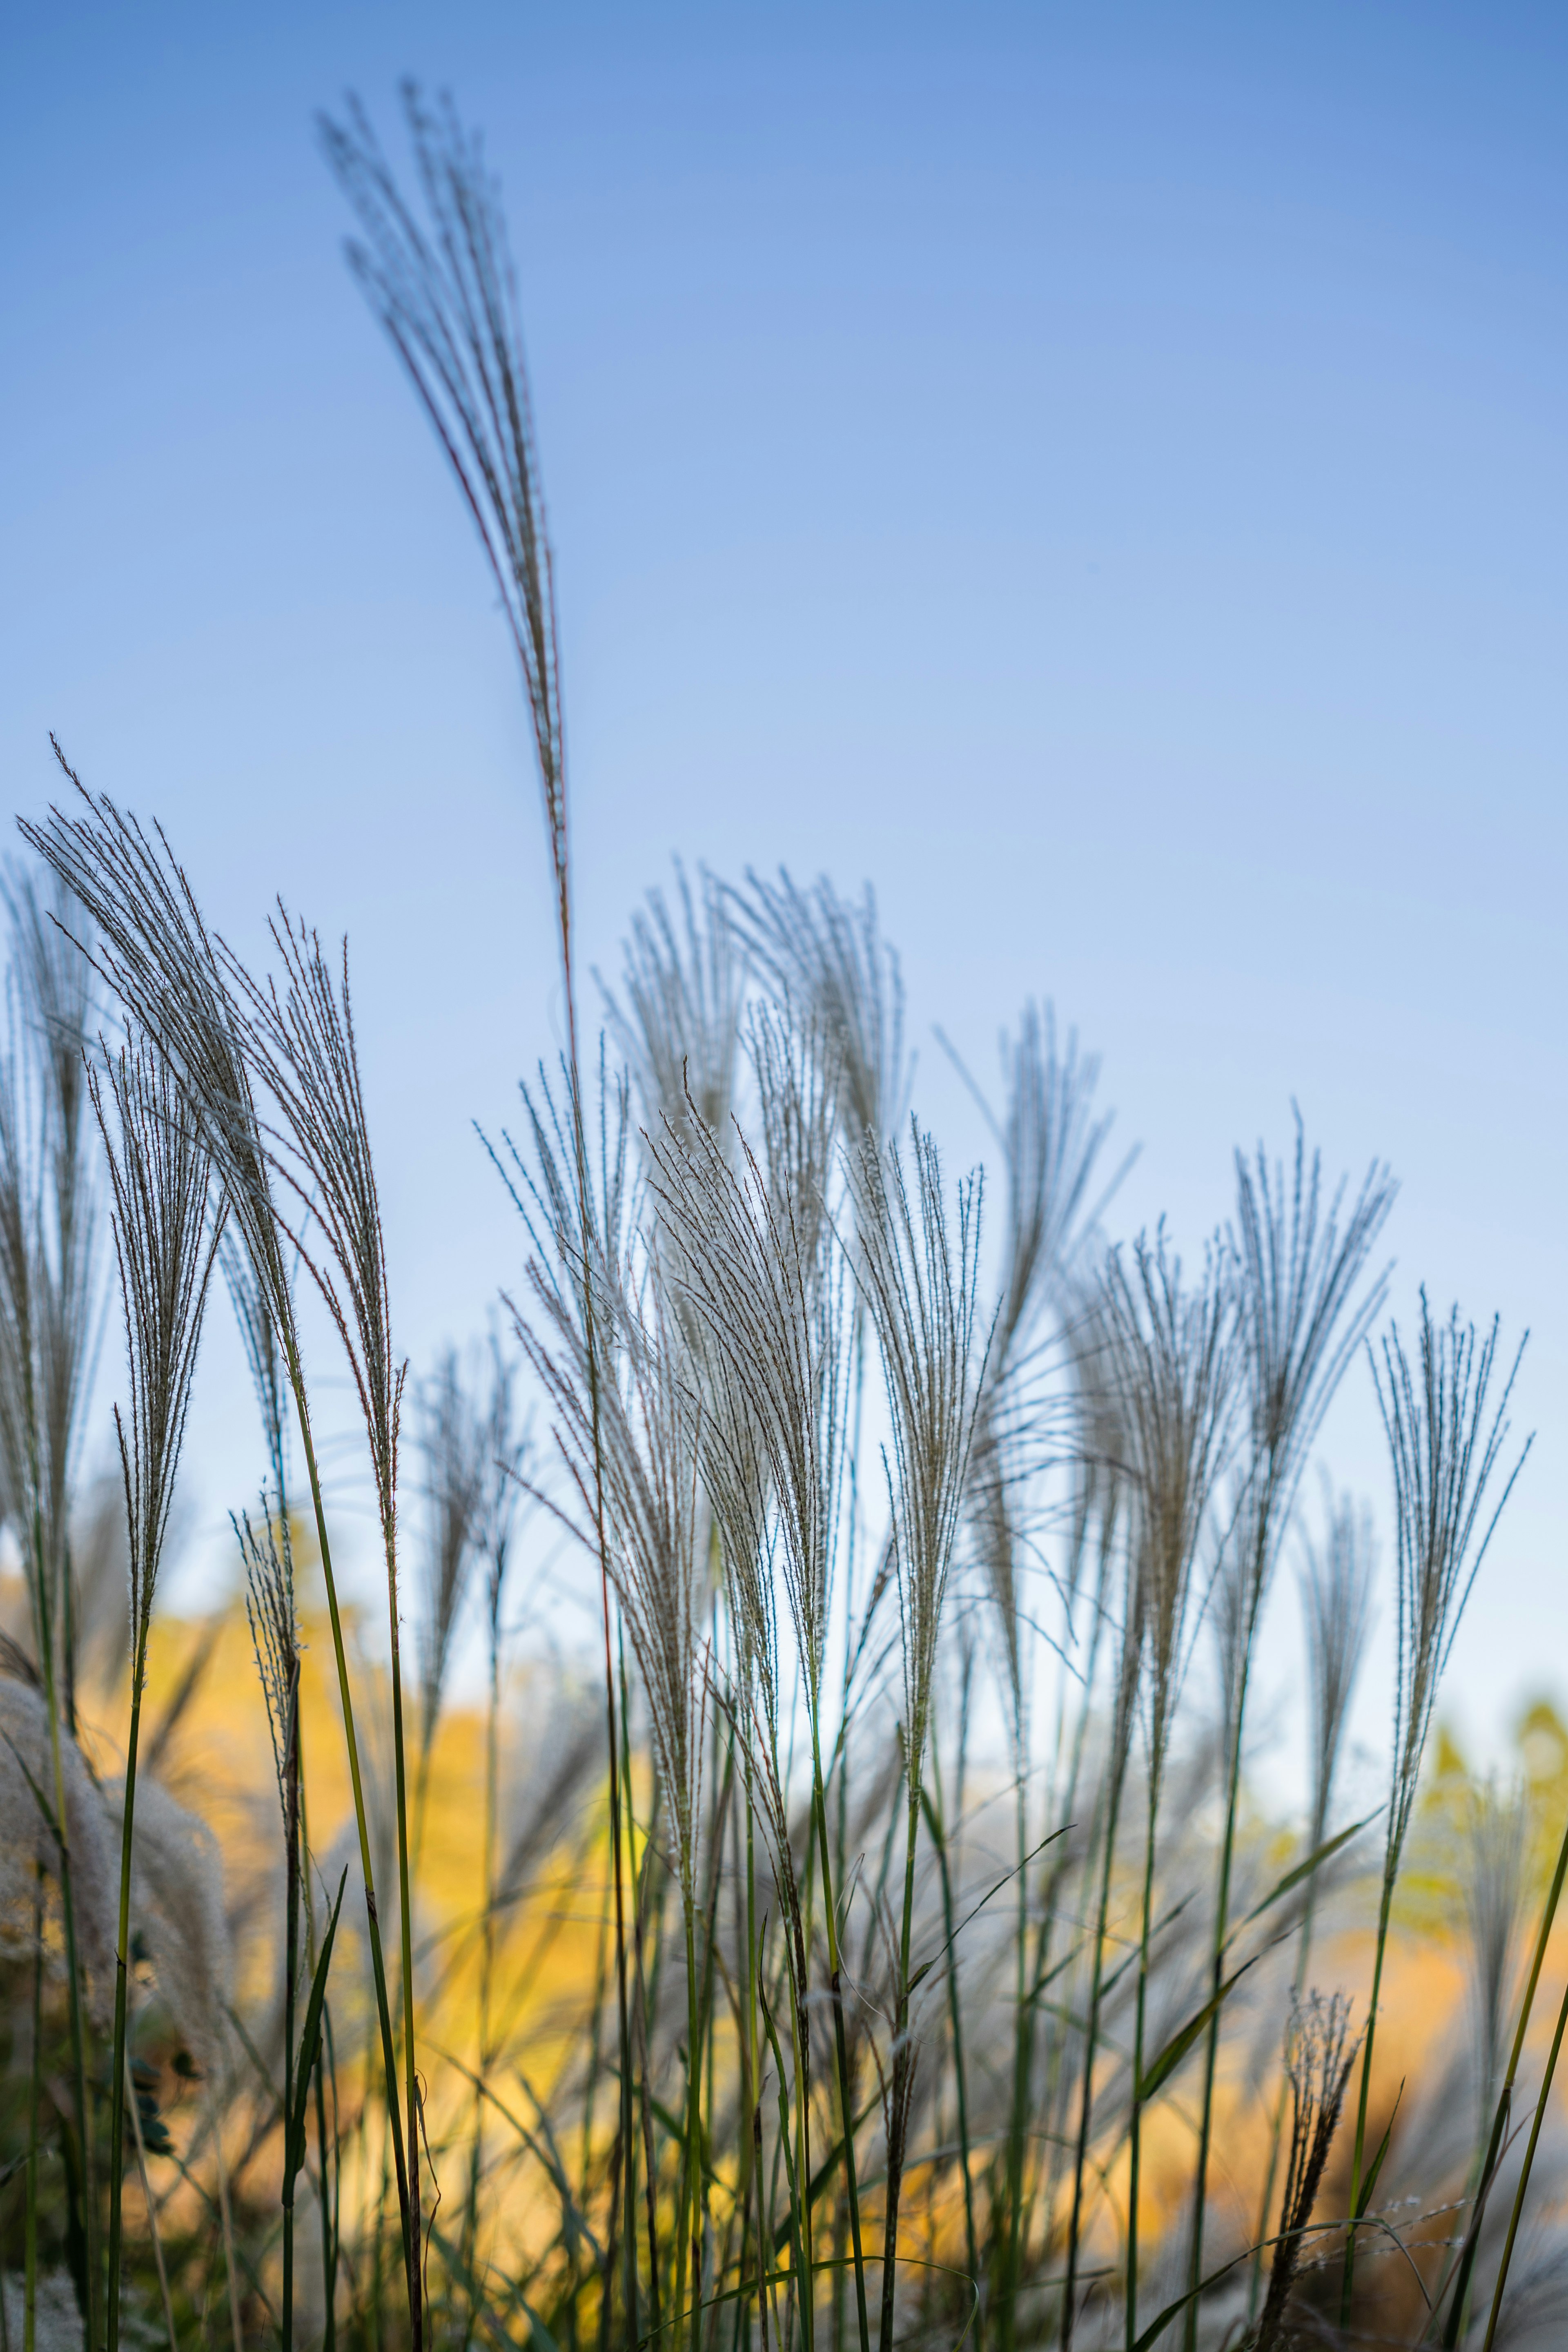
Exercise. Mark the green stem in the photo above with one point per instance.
(901, 2061)
(934, 1823)
(405, 1925)
(1023, 2067)
(690, 2231)
(1211, 2039)
(121, 1967)
(1134, 2133)
(35, 2115)
(290, 1984)
(1347, 2284)
(361, 1822)
(840, 2044)
(68, 1911)
(1091, 2045)
(1524, 2174)
(1505, 2099)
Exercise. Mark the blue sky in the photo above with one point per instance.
(1097, 472)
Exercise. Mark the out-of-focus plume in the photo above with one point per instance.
(1320, 2051)
(1336, 1613)
(452, 1450)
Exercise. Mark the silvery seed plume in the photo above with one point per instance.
(1444, 1449)
(677, 1017)
(1100, 1451)
(635, 1429)
(1301, 1323)
(27, 1840)
(164, 1240)
(448, 303)
(541, 1176)
(1335, 1587)
(1496, 1886)
(918, 1274)
(829, 962)
(1050, 1145)
(1173, 1353)
(153, 950)
(259, 1340)
(758, 1277)
(451, 1445)
(298, 1040)
(1320, 2051)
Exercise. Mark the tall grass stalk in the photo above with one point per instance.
(1175, 1355)
(1301, 1323)
(45, 1311)
(918, 1272)
(449, 311)
(153, 950)
(1444, 1448)
(160, 1176)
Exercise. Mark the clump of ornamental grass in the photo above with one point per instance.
(759, 1282)
(1050, 1143)
(47, 1268)
(210, 1021)
(165, 1237)
(1336, 1590)
(298, 1038)
(1174, 1351)
(918, 1272)
(1446, 1440)
(1301, 1320)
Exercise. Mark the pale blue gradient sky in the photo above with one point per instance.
(1097, 472)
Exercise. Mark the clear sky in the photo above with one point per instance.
(1097, 472)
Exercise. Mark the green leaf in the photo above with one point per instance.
(1162, 2068)
(294, 2154)
(1325, 1853)
(1370, 2183)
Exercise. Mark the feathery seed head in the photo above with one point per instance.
(447, 300)
(919, 1278)
(679, 1026)
(160, 1182)
(1301, 1323)
(1336, 1609)
(1173, 1356)
(1444, 1448)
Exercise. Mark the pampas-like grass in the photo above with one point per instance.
(918, 1272)
(211, 1023)
(1446, 1440)
(1174, 1351)
(160, 1175)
